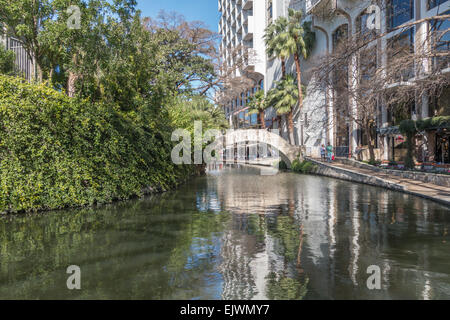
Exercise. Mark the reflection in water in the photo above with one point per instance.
(235, 234)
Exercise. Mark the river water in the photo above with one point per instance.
(235, 234)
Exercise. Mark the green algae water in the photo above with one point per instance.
(235, 234)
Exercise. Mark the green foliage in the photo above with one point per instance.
(287, 36)
(133, 83)
(282, 287)
(284, 96)
(257, 103)
(303, 167)
(184, 110)
(57, 151)
(117, 55)
(7, 58)
(412, 127)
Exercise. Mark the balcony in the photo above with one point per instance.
(320, 8)
(247, 28)
(247, 4)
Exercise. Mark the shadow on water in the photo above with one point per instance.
(234, 234)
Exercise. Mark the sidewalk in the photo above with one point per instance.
(426, 190)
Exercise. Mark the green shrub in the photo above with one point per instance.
(7, 58)
(56, 151)
(296, 166)
(303, 167)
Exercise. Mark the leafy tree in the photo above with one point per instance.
(284, 97)
(24, 20)
(193, 52)
(274, 36)
(185, 110)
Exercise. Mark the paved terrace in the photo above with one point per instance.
(384, 179)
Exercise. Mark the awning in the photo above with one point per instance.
(389, 131)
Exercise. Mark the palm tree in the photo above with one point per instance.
(284, 98)
(257, 105)
(289, 37)
(274, 38)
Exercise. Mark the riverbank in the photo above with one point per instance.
(342, 171)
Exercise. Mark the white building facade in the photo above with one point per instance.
(243, 23)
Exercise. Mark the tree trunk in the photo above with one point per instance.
(291, 127)
(40, 73)
(300, 91)
(261, 118)
(299, 80)
(370, 141)
(410, 142)
(73, 77)
(283, 68)
(71, 84)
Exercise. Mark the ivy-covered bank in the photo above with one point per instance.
(57, 151)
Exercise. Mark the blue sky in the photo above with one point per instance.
(202, 10)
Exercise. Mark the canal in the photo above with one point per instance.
(235, 234)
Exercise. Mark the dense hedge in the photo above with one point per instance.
(57, 151)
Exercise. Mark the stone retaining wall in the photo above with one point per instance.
(340, 173)
(434, 178)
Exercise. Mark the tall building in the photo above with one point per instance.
(242, 26)
(243, 54)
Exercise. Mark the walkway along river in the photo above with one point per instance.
(235, 234)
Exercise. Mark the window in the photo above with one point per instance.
(399, 12)
(261, 85)
(439, 30)
(399, 48)
(340, 34)
(246, 118)
(254, 119)
(269, 11)
(434, 3)
(367, 65)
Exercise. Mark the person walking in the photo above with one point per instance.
(329, 151)
(323, 152)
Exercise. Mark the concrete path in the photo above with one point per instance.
(426, 190)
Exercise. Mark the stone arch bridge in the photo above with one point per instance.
(287, 152)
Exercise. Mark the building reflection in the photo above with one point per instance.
(293, 236)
